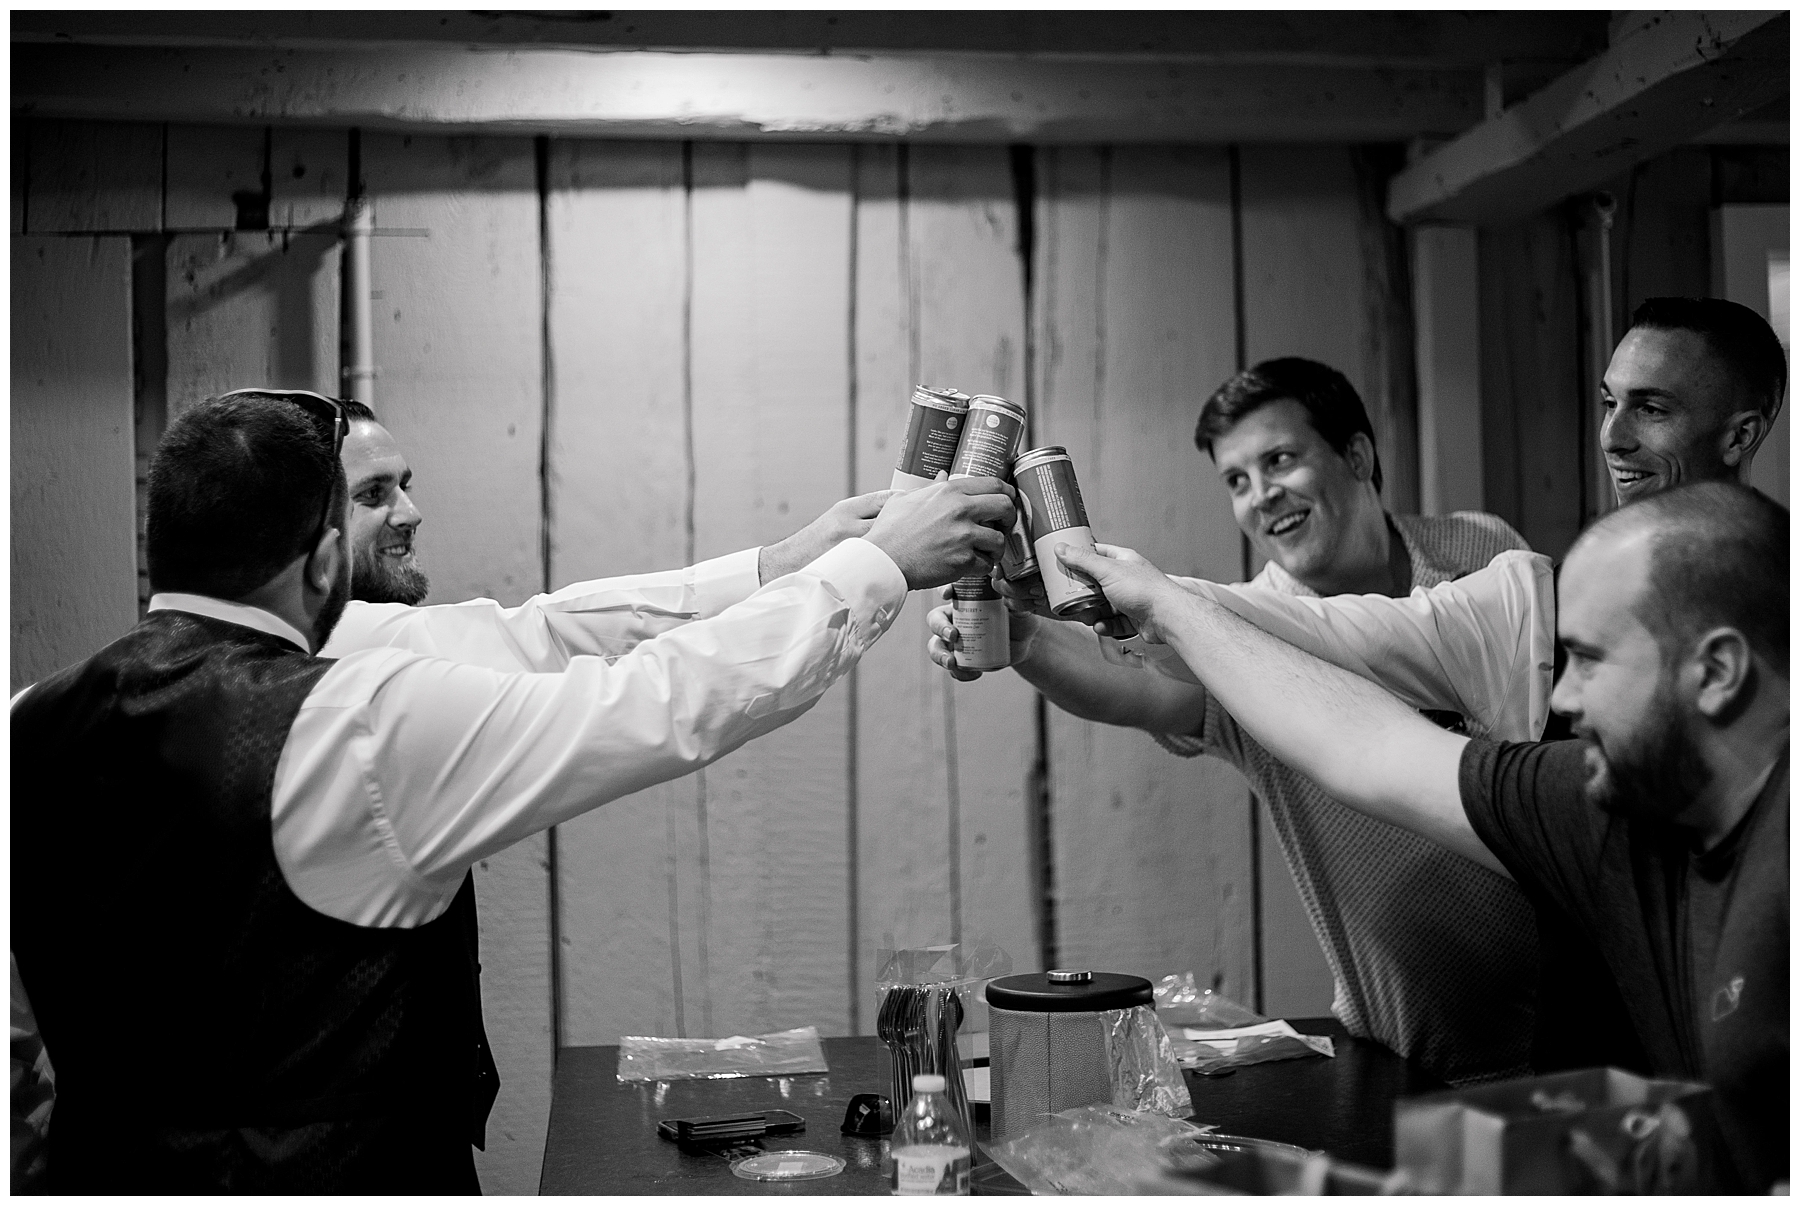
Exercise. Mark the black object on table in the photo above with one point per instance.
(603, 1138)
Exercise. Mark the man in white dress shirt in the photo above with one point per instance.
(269, 850)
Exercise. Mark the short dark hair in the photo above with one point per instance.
(237, 487)
(1740, 337)
(1331, 403)
(1718, 557)
(357, 412)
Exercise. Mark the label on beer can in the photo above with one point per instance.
(990, 438)
(982, 636)
(934, 428)
(1050, 496)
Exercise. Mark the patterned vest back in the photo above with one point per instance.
(211, 1032)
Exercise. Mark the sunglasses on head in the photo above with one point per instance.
(316, 405)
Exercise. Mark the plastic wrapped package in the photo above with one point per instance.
(1213, 1033)
(1180, 1003)
(784, 1053)
(1145, 1073)
(929, 1008)
(1090, 1149)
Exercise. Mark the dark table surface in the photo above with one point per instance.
(603, 1136)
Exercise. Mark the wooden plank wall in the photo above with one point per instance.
(606, 358)
(72, 424)
(1152, 853)
(1540, 384)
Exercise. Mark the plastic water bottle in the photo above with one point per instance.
(930, 1148)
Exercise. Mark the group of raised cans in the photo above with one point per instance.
(983, 436)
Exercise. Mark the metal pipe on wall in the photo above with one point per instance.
(357, 375)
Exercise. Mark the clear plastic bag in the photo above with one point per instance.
(1145, 1073)
(1184, 1007)
(1090, 1149)
(784, 1053)
(1180, 1003)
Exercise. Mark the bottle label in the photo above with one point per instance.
(931, 1168)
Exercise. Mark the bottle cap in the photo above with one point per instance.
(927, 1082)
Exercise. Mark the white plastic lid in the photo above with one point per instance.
(928, 1082)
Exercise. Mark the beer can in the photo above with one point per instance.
(934, 428)
(1050, 497)
(979, 613)
(993, 433)
(1017, 560)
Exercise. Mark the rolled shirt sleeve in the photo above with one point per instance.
(1480, 645)
(604, 618)
(402, 770)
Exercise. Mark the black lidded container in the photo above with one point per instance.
(1047, 1042)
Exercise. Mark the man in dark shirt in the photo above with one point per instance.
(1661, 830)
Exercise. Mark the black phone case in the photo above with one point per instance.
(717, 1128)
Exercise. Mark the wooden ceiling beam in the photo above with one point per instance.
(941, 98)
(1419, 39)
(1677, 76)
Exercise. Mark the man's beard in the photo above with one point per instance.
(1656, 772)
(378, 579)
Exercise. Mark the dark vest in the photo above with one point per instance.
(210, 1032)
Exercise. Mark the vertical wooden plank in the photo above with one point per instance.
(1447, 308)
(1136, 313)
(251, 308)
(207, 167)
(1663, 230)
(618, 488)
(770, 356)
(943, 768)
(1306, 285)
(95, 176)
(1303, 264)
(902, 794)
(963, 251)
(74, 572)
(458, 341)
(1534, 395)
(1749, 258)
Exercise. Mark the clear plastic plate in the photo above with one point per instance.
(788, 1166)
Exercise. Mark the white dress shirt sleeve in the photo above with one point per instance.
(605, 618)
(1481, 645)
(403, 770)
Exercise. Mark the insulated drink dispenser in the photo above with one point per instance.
(1047, 1042)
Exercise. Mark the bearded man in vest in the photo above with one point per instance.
(265, 853)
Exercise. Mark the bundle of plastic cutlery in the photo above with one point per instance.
(918, 1022)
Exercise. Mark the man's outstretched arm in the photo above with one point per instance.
(1481, 645)
(605, 617)
(1359, 743)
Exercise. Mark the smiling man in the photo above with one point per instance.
(382, 521)
(1432, 955)
(1661, 833)
(1691, 393)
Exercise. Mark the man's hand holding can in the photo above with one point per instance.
(940, 532)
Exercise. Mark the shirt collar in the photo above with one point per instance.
(232, 613)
